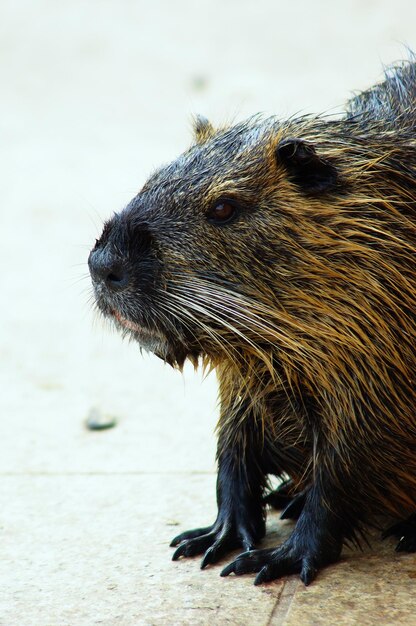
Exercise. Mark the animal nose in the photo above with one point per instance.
(105, 268)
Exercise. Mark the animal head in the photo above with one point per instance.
(192, 265)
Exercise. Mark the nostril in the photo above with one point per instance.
(116, 278)
(104, 268)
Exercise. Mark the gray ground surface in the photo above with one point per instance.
(94, 95)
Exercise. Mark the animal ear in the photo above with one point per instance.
(305, 167)
(203, 129)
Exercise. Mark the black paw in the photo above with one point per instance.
(216, 541)
(272, 564)
(292, 557)
(405, 532)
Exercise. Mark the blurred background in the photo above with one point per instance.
(96, 94)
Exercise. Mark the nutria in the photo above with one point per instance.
(282, 254)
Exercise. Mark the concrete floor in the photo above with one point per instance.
(94, 95)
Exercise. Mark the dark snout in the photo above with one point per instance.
(107, 269)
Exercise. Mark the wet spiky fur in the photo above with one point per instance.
(305, 304)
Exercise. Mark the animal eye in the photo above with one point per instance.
(222, 213)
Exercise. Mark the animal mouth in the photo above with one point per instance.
(152, 340)
(147, 337)
(128, 324)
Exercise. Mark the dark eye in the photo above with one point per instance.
(222, 213)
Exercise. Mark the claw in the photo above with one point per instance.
(209, 557)
(405, 532)
(189, 534)
(174, 542)
(228, 569)
(179, 552)
(397, 530)
(263, 576)
(308, 573)
(401, 546)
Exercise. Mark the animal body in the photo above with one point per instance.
(282, 254)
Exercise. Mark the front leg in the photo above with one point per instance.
(316, 541)
(240, 485)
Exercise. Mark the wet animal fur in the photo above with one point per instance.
(305, 304)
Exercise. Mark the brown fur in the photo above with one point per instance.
(339, 317)
(305, 304)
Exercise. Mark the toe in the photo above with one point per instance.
(189, 534)
(264, 575)
(212, 555)
(308, 572)
(192, 547)
(228, 569)
(246, 563)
